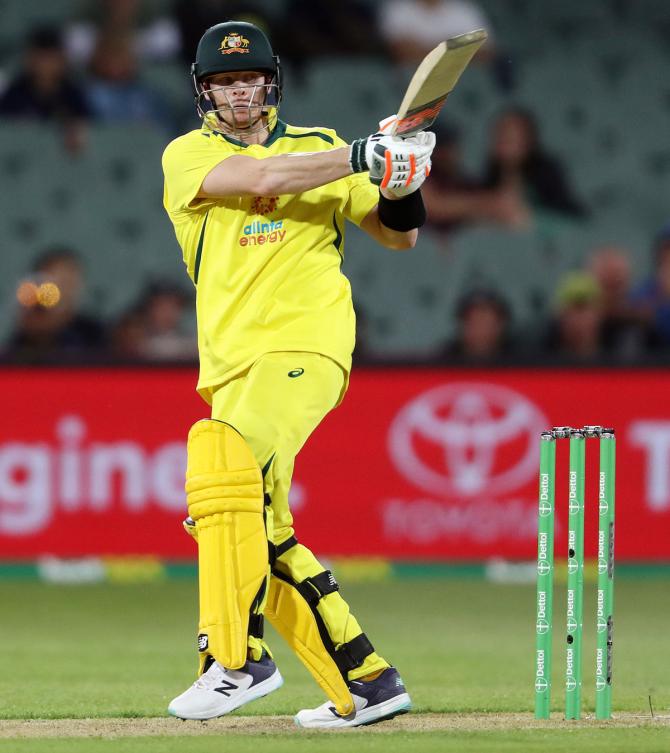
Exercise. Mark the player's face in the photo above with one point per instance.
(238, 96)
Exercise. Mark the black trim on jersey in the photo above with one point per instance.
(266, 467)
(338, 238)
(198, 253)
(318, 134)
(278, 133)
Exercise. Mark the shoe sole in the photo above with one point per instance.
(381, 712)
(274, 682)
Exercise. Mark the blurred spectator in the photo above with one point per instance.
(310, 30)
(155, 35)
(157, 327)
(623, 332)
(194, 17)
(115, 90)
(128, 337)
(164, 307)
(51, 324)
(45, 91)
(576, 333)
(454, 199)
(519, 167)
(651, 300)
(412, 28)
(483, 328)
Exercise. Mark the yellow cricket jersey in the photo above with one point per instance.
(266, 269)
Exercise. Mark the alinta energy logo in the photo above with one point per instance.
(259, 232)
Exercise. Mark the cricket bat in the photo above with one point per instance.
(433, 80)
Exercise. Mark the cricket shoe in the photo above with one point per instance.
(374, 700)
(219, 691)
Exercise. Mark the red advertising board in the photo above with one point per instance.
(416, 464)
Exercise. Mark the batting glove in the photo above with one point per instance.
(394, 163)
(414, 181)
(361, 152)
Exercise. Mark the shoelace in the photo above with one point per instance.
(207, 681)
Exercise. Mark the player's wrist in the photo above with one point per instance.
(357, 160)
(403, 213)
(389, 195)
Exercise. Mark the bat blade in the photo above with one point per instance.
(433, 81)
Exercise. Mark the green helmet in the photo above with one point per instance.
(235, 46)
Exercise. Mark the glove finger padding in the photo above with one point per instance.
(396, 160)
(402, 184)
(386, 124)
(425, 139)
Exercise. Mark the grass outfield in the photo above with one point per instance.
(112, 656)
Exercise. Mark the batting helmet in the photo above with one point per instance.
(235, 46)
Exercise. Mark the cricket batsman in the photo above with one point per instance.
(259, 209)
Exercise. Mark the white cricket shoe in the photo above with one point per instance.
(219, 691)
(375, 701)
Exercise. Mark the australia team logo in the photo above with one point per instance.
(264, 204)
(234, 43)
(267, 230)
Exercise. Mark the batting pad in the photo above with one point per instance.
(224, 493)
(293, 619)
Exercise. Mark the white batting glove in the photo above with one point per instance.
(414, 181)
(361, 150)
(391, 161)
(398, 165)
(386, 124)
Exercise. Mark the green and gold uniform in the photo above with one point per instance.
(276, 325)
(266, 270)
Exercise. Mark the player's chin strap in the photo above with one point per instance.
(212, 115)
(265, 124)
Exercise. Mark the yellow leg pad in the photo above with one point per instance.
(224, 492)
(292, 618)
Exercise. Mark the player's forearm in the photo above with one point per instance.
(386, 236)
(276, 176)
(397, 240)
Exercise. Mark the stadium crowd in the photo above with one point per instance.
(90, 71)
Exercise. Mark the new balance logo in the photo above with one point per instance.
(223, 689)
(203, 642)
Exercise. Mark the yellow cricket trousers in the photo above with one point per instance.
(275, 405)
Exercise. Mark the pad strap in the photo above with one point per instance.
(352, 654)
(256, 625)
(285, 546)
(315, 588)
(403, 214)
(277, 551)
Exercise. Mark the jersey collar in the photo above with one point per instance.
(279, 131)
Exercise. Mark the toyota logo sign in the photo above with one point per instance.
(466, 438)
